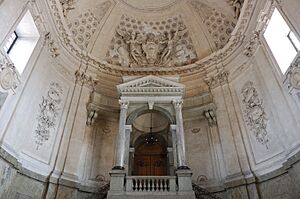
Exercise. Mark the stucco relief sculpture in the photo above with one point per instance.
(254, 113)
(9, 76)
(147, 44)
(67, 5)
(237, 7)
(48, 113)
(293, 76)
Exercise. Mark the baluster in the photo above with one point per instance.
(147, 184)
(150, 184)
(159, 185)
(138, 184)
(163, 184)
(155, 184)
(168, 184)
(143, 184)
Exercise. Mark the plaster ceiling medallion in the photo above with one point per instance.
(153, 5)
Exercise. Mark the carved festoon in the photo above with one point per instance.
(48, 114)
(254, 113)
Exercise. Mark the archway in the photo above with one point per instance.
(150, 158)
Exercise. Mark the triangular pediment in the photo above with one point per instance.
(150, 84)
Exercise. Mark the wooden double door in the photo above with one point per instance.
(150, 160)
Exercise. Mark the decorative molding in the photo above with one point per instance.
(67, 5)
(9, 76)
(252, 45)
(151, 85)
(254, 113)
(140, 44)
(237, 7)
(218, 24)
(124, 104)
(293, 76)
(51, 45)
(230, 47)
(84, 26)
(177, 104)
(84, 79)
(196, 130)
(210, 116)
(49, 111)
(217, 80)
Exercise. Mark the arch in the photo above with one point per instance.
(136, 113)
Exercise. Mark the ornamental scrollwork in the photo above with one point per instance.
(254, 113)
(9, 76)
(293, 76)
(48, 113)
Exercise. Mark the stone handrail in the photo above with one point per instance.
(202, 193)
(150, 184)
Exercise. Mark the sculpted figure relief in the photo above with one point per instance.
(237, 6)
(148, 46)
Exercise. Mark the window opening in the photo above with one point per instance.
(281, 40)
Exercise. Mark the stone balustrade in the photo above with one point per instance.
(150, 184)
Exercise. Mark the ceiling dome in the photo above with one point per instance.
(150, 5)
(139, 35)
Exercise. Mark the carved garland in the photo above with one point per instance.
(254, 113)
(234, 41)
(48, 114)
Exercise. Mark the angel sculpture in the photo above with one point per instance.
(171, 43)
(133, 40)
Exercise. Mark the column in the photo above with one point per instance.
(121, 139)
(181, 156)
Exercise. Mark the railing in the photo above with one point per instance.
(150, 184)
(202, 193)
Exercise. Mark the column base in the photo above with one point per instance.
(184, 177)
(118, 168)
(183, 168)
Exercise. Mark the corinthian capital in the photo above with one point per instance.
(177, 104)
(124, 104)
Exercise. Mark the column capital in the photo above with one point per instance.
(124, 104)
(177, 103)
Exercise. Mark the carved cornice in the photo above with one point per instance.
(234, 42)
(151, 85)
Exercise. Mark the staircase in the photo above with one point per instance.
(202, 193)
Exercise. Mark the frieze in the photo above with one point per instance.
(48, 114)
(229, 48)
(254, 113)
